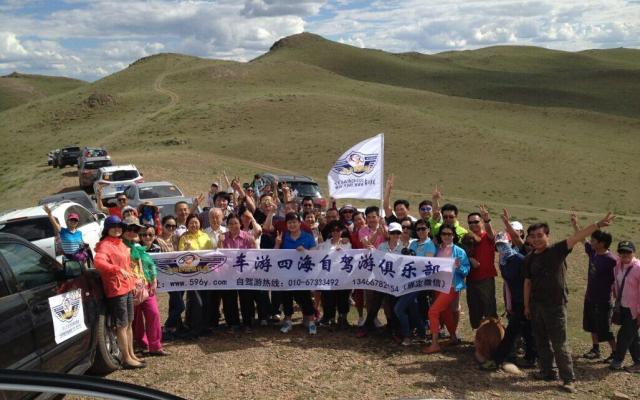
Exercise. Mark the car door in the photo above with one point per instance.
(37, 278)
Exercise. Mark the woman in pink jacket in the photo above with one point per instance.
(626, 289)
(113, 261)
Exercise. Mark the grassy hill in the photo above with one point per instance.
(17, 89)
(284, 111)
(598, 80)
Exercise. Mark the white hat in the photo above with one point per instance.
(395, 227)
(517, 226)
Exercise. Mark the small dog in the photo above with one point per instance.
(488, 336)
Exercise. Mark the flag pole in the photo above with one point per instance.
(382, 184)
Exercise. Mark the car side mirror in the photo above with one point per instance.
(72, 269)
(99, 217)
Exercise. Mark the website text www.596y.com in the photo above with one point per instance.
(196, 282)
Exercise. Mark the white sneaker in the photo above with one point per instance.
(286, 327)
(361, 321)
(377, 323)
(264, 322)
(313, 329)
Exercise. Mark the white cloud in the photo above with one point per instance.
(10, 47)
(268, 8)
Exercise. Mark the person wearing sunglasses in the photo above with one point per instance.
(346, 216)
(441, 309)
(333, 300)
(121, 203)
(447, 214)
(627, 290)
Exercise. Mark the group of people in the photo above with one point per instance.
(532, 267)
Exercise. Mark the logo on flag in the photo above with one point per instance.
(356, 164)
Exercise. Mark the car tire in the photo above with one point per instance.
(108, 355)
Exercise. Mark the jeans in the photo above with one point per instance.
(627, 338)
(176, 308)
(518, 326)
(481, 300)
(550, 331)
(146, 325)
(406, 311)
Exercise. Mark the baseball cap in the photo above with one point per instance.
(627, 245)
(503, 237)
(517, 225)
(395, 227)
(73, 216)
(132, 221)
(112, 221)
(346, 207)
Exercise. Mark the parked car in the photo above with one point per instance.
(77, 196)
(88, 170)
(54, 158)
(68, 156)
(116, 178)
(301, 186)
(36, 333)
(91, 152)
(50, 156)
(161, 194)
(33, 225)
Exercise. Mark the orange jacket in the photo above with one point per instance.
(112, 258)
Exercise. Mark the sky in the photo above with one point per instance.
(94, 38)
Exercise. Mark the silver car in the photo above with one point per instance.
(164, 195)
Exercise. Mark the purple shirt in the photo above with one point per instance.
(242, 241)
(600, 277)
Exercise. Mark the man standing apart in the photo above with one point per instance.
(481, 283)
(545, 298)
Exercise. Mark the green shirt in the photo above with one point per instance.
(435, 228)
(148, 266)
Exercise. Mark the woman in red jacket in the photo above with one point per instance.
(113, 261)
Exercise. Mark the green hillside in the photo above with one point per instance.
(186, 119)
(17, 89)
(597, 80)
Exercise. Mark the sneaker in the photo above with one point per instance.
(569, 387)
(377, 323)
(608, 360)
(325, 322)
(634, 369)
(406, 342)
(616, 365)
(489, 365)
(361, 321)
(546, 376)
(313, 329)
(286, 327)
(592, 354)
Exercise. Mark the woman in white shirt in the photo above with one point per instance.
(333, 300)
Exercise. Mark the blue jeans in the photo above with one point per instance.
(176, 308)
(406, 310)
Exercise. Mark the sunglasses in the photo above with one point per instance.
(169, 226)
(347, 212)
(449, 216)
(122, 200)
(473, 222)
(394, 233)
(132, 229)
(421, 229)
(624, 252)
(405, 227)
(446, 234)
(426, 209)
(147, 234)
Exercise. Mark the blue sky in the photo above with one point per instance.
(91, 39)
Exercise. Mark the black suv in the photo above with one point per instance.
(29, 277)
(68, 156)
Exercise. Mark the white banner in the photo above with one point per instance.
(67, 315)
(258, 269)
(358, 173)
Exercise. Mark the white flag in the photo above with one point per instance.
(358, 173)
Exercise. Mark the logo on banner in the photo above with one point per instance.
(68, 309)
(356, 164)
(191, 264)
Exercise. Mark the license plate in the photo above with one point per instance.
(119, 188)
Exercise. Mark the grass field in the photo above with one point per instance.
(17, 89)
(538, 131)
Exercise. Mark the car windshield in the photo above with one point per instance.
(71, 150)
(121, 175)
(30, 229)
(97, 164)
(154, 192)
(304, 189)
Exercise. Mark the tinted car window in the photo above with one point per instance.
(71, 150)
(30, 268)
(30, 229)
(123, 175)
(304, 188)
(97, 164)
(154, 192)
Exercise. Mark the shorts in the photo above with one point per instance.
(121, 309)
(596, 318)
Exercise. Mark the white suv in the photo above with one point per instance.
(33, 225)
(115, 179)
